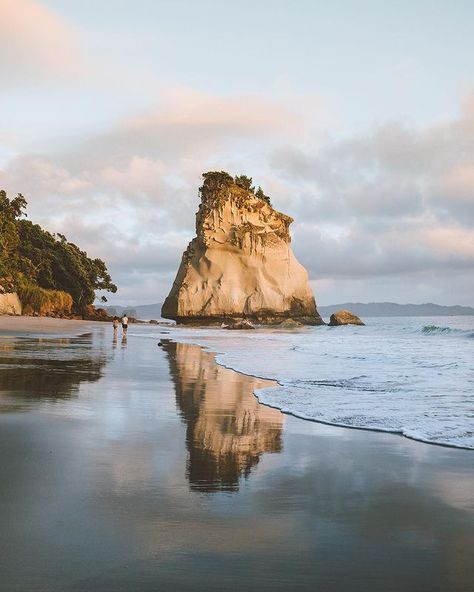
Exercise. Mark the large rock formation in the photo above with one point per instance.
(240, 265)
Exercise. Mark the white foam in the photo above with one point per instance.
(392, 375)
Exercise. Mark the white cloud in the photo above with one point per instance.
(36, 43)
(392, 203)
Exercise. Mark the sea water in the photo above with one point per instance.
(408, 375)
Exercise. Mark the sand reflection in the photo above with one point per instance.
(45, 369)
(227, 429)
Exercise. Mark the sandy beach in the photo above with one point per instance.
(128, 466)
(43, 325)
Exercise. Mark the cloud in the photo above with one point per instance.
(459, 181)
(400, 249)
(388, 172)
(392, 204)
(192, 125)
(130, 195)
(154, 161)
(35, 43)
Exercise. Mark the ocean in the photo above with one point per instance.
(413, 376)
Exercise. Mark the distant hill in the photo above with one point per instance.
(391, 309)
(372, 309)
(149, 311)
(144, 312)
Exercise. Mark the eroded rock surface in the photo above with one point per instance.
(344, 317)
(10, 304)
(240, 265)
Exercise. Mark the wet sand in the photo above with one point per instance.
(126, 466)
(43, 325)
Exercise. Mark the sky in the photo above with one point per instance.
(355, 116)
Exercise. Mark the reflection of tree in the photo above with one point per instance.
(227, 429)
(45, 368)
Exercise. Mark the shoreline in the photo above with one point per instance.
(277, 383)
(24, 325)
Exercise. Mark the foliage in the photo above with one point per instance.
(244, 182)
(31, 256)
(259, 193)
(36, 300)
(60, 265)
(216, 180)
(10, 211)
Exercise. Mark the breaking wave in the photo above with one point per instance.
(435, 330)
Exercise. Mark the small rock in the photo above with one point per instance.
(243, 324)
(344, 317)
(289, 324)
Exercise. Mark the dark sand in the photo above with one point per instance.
(130, 467)
(11, 325)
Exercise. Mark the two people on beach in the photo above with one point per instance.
(123, 321)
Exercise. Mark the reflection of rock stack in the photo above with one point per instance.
(227, 429)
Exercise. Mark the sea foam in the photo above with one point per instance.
(402, 375)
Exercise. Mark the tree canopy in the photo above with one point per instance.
(31, 255)
(259, 193)
(244, 182)
(10, 211)
(214, 180)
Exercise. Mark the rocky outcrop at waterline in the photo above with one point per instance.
(344, 317)
(240, 264)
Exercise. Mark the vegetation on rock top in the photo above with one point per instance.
(217, 180)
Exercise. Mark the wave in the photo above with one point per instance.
(436, 330)
(395, 376)
(456, 436)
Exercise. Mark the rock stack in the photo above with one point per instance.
(240, 264)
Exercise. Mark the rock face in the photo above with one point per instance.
(344, 317)
(240, 264)
(10, 304)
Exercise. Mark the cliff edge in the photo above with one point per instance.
(240, 264)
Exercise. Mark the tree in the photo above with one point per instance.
(218, 178)
(31, 256)
(214, 181)
(61, 265)
(244, 182)
(259, 193)
(10, 212)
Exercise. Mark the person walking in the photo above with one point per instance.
(115, 324)
(124, 322)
